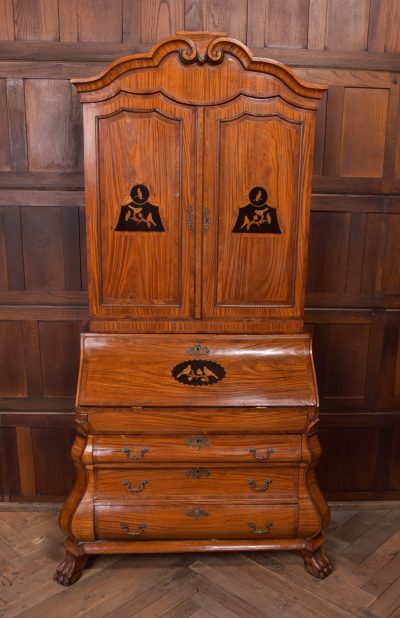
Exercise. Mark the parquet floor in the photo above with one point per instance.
(364, 546)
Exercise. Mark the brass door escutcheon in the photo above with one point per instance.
(142, 452)
(253, 452)
(253, 485)
(142, 485)
(268, 526)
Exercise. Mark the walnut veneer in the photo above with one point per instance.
(197, 403)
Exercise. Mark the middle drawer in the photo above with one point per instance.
(141, 450)
(130, 484)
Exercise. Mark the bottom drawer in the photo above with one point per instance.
(196, 521)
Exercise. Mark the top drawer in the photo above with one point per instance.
(140, 450)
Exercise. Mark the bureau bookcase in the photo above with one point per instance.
(197, 403)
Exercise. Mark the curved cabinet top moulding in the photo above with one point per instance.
(200, 48)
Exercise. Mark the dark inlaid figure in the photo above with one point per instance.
(257, 217)
(139, 215)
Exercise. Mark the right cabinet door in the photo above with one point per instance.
(256, 187)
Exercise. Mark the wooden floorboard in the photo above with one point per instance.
(363, 545)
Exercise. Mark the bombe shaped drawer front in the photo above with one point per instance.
(132, 485)
(196, 520)
(194, 448)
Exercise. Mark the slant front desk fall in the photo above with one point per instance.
(197, 403)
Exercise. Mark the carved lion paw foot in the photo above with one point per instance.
(316, 564)
(70, 569)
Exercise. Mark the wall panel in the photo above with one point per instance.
(354, 261)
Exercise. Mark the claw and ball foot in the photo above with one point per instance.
(70, 569)
(316, 563)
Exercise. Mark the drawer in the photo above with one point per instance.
(193, 448)
(196, 520)
(133, 485)
(182, 420)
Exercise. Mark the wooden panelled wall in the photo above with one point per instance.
(354, 266)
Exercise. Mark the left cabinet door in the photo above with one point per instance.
(139, 179)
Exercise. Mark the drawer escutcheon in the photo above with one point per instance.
(197, 442)
(125, 528)
(197, 473)
(196, 513)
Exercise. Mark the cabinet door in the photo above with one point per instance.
(255, 219)
(141, 248)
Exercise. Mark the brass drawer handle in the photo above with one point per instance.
(197, 442)
(197, 473)
(143, 451)
(125, 528)
(142, 485)
(264, 487)
(268, 452)
(196, 513)
(268, 526)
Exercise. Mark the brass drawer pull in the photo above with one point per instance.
(142, 485)
(143, 451)
(197, 442)
(196, 513)
(125, 528)
(268, 526)
(197, 473)
(268, 452)
(264, 487)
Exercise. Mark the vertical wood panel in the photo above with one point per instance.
(68, 18)
(13, 247)
(5, 155)
(43, 248)
(30, 333)
(9, 465)
(217, 16)
(319, 146)
(59, 352)
(328, 251)
(346, 361)
(334, 129)
(17, 123)
(51, 144)
(71, 248)
(377, 25)
(360, 451)
(356, 253)
(317, 24)
(148, 21)
(256, 23)
(392, 26)
(26, 462)
(364, 128)
(374, 251)
(6, 20)
(347, 25)
(13, 382)
(52, 444)
(286, 23)
(394, 478)
(99, 20)
(36, 20)
(3, 255)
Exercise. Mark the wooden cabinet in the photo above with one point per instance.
(197, 402)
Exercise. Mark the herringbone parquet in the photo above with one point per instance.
(364, 546)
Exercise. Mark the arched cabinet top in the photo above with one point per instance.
(201, 50)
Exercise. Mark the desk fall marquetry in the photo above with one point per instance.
(197, 403)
